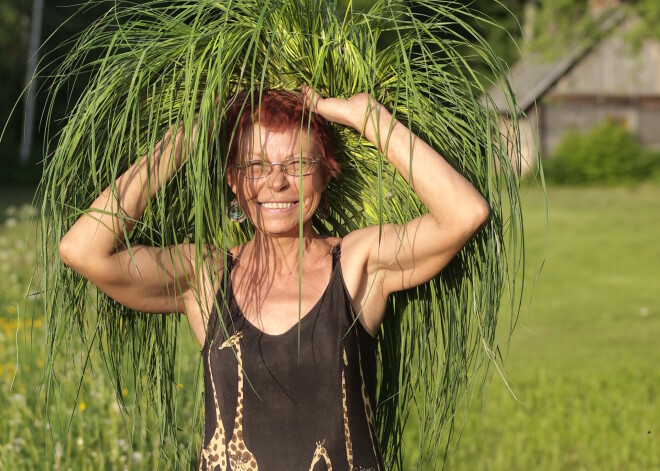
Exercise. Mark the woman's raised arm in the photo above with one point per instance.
(147, 279)
(403, 256)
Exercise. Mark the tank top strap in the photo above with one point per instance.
(230, 261)
(336, 253)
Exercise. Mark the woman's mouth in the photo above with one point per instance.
(274, 205)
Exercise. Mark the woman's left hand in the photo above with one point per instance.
(353, 112)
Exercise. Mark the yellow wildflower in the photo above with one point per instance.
(124, 392)
(82, 406)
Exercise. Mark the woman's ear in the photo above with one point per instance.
(231, 178)
(326, 179)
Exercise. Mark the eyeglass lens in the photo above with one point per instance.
(292, 167)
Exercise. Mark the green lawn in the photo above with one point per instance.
(596, 305)
(582, 359)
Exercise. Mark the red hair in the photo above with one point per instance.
(279, 111)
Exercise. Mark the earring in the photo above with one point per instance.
(234, 212)
(323, 210)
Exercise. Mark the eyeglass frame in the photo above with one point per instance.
(312, 161)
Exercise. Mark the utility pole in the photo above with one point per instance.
(30, 84)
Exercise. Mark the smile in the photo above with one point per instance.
(278, 205)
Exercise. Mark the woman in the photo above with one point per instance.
(290, 356)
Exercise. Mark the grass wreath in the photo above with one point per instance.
(156, 64)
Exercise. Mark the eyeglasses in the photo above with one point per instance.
(294, 167)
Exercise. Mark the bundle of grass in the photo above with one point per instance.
(157, 65)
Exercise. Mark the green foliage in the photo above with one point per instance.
(607, 154)
(504, 28)
(566, 421)
(562, 24)
(156, 64)
(14, 38)
(14, 173)
(648, 11)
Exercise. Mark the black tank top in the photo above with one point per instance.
(274, 404)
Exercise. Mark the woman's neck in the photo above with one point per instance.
(280, 255)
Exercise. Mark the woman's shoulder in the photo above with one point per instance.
(331, 242)
(235, 252)
(357, 245)
(209, 263)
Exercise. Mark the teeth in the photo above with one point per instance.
(277, 205)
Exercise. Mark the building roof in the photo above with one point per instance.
(532, 76)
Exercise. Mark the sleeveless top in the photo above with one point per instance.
(273, 402)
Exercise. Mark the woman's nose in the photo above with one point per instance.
(276, 178)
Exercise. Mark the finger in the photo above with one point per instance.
(306, 93)
(311, 98)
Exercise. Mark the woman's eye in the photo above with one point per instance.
(256, 168)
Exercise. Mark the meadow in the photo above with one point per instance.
(582, 360)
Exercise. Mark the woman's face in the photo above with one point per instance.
(273, 203)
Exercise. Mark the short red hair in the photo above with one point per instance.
(279, 110)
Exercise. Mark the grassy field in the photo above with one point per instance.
(80, 429)
(582, 360)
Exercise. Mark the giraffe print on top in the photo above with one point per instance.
(281, 396)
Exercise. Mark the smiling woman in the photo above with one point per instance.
(333, 280)
(265, 296)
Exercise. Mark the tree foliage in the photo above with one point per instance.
(565, 23)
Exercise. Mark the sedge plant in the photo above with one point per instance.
(155, 65)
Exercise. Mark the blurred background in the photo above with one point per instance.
(581, 387)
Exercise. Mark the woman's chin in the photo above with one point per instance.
(282, 227)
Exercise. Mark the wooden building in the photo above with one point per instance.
(607, 79)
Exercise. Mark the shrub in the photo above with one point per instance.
(607, 154)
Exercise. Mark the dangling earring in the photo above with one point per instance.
(323, 210)
(234, 212)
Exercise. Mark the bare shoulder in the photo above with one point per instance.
(363, 285)
(356, 247)
(209, 265)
